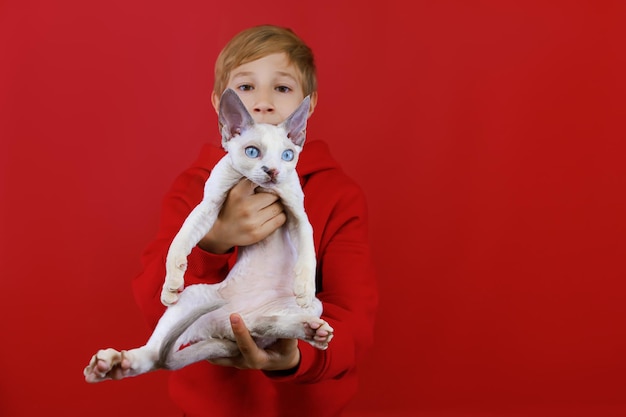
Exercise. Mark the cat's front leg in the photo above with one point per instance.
(301, 235)
(198, 223)
(304, 279)
(195, 227)
(174, 280)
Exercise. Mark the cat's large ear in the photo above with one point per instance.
(295, 125)
(233, 116)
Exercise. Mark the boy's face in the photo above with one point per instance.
(269, 87)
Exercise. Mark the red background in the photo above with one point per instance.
(488, 137)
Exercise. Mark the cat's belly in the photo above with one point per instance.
(265, 292)
(268, 264)
(261, 283)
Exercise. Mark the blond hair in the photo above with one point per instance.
(258, 42)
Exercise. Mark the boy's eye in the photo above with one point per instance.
(245, 87)
(287, 155)
(252, 152)
(283, 89)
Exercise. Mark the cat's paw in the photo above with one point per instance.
(318, 333)
(169, 297)
(304, 299)
(107, 364)
(173, 286)
(304, 287)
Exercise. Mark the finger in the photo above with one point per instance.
(266, 200)
(274, 223)
(246, 190)
(272, 210)
(243, 188)
(224, 361)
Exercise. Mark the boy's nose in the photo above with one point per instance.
(263, 102)
(263, 107)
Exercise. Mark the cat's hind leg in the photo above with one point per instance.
(113, 364)
(199, 351)
(311, 329)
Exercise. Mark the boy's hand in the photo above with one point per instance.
(245, 218)
(281, 356)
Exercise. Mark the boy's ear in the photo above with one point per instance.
(233, 116)
(313, 96)
(215, 101)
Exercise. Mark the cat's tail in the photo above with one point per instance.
(169, 356)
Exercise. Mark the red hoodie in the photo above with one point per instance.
(325, 380)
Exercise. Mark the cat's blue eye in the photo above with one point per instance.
(252, 152)
(287, 155)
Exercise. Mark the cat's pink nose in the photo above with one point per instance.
(271, 172)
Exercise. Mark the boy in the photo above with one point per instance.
(272, 70)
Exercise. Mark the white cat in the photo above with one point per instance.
(272, 284)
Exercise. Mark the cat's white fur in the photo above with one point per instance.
(272, 284)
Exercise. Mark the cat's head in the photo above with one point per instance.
(262, 152)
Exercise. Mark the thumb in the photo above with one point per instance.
(244, 340)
